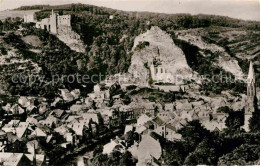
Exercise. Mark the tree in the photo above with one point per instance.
(254, 122)
(193, 133)
(175, 153)
(241, 155)
(235, 119)
(98, 150)
(127, 159)
(130, 137)
(205, 153)
(100, 160)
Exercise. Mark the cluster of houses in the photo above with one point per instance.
(70, 120)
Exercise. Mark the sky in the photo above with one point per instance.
(242, 9)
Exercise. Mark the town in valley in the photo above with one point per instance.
(151, 89)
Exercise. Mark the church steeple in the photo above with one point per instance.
(251, 103)
(251, 91)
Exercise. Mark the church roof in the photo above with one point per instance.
(251, 74)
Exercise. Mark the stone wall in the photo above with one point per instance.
(64, 20)
(70, 38)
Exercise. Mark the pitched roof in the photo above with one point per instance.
(39, 158)
(39, 133)
(11, 159)
(90, 115)
(128, 128)
(143, 119)
(109, 147)
(151, 146)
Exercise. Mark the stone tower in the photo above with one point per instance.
(53, 23)
(251, 96)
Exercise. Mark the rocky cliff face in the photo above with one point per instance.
(160, 48)
(224, 60)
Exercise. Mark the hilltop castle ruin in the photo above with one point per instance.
(54, 23)
(60, 26)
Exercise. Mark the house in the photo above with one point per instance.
(183, 106)
(58, 113)
(115, 120)
(39, 158)
(31, 109)
(148, 150)
(111, 17)
(89, 101)
(127, 113)
(219, 116)
(149, 108)
(32, 121)
(169, 88)
(32, 146)
(168, 132)
(14, 159)
(75, 93)
(7, 107)
(70, 137)
(39, 132)
(66, 95)
(62, 130)
(113, 144)
(76, 108)
(26, 101)
(214, 125)
(50, 121)
(169, 107)
(23, 101)
(166, 116)
(56, 101)
(134, 150)
(16, 110)
(117, 100)
(186, 115)
(17, 128)
(91, 115)
(143, 119)
(43, 107)
(97, 88)
(3, 141)
(78, 128)
(73, 118)
(218, 102)
(106, 113)
(128, 128)
(141, 130)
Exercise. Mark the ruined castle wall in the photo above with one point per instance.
(53, 23)
(64, 20)
(29, 18)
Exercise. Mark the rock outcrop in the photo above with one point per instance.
(160, 48)
(225, 61)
